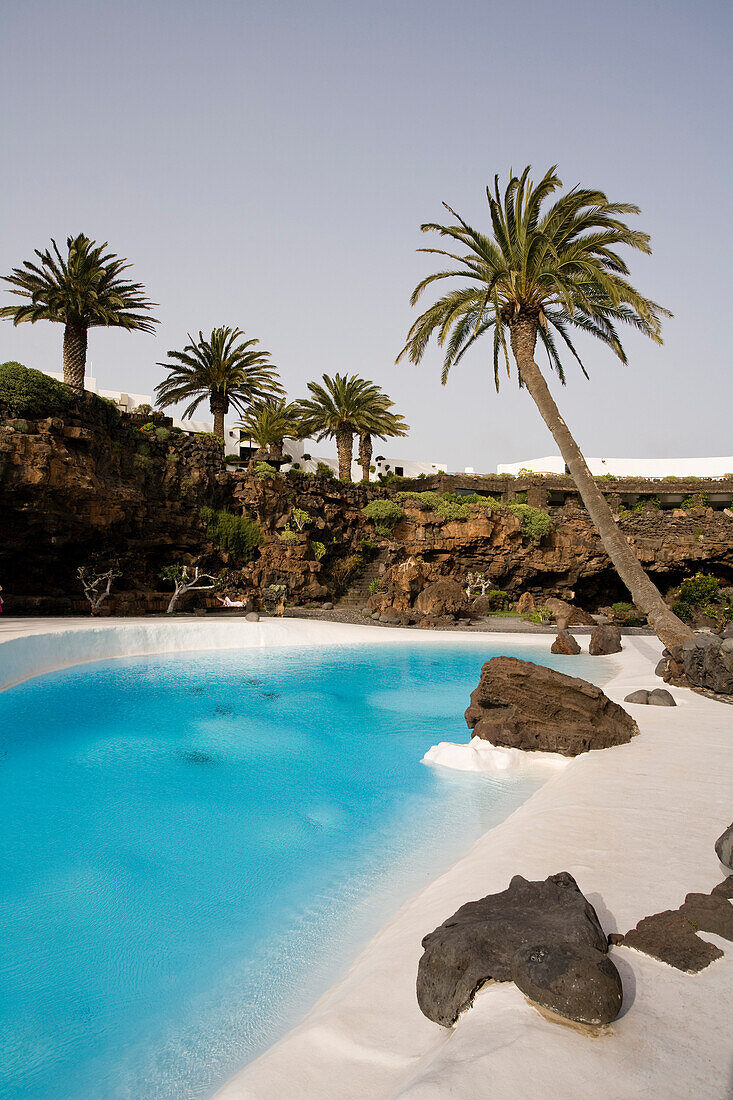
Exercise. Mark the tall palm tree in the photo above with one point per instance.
(382, 423)
(340, 409)
(229, 370)
(268, 423)
(81, 291)
(539, 273)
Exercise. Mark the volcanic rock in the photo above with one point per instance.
(707, 660)
(526, 706)
(658, 697)
(444, 597)
(566, 615)
(577, 982)
(565, 643)
(478, 943)
(525, 603)
(640, 697)
(605, 639)
(724, 847)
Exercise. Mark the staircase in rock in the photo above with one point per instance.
(358, 594)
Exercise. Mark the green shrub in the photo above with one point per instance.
(698, 500)
(540, 615)
(163, 434)
(646, 502)
(383, 530)
(288, 535)
(319, 550)
(428, 499)
(300, 518)
(323, 470)
(682, 610)
(144, 409)
(369, 549)
(264, 469)
(700, 590)
(239, 536)
(232, 459)
(622, 608)
(536, 524)
(499, 600)
(385, 513)
(347, 570)
(374, 586)
(450, 510)
(143, 463)
(27, 392)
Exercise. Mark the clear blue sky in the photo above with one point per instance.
(268, 164)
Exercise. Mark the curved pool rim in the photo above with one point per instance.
(29, 653)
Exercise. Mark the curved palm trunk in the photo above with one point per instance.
(345, 444)
(75, 355)
(668, 628)
(219, 407)
(365, 455)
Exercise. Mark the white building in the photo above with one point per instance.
(627, 467)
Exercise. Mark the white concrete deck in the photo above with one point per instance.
(635, 825)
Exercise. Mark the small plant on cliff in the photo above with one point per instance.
(324, 470)
(698, 500)
(374, 586)
(476, 582)
(536, 524)
(452, 510)
(300, 518)
(383, 513)
(264, 469)
(288, 534)
(81, 290)
(239, 536)
(499, 600)
(345, 571)
(184, 581)
(96, 585)
(319, 550)
(539, 615)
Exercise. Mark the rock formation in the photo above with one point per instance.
(545, 933)
(565, 643)
(526, 706)
(605, 639)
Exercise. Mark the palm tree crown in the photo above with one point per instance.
(226, 368)
(268, 423)
(344, 406)
(542, 272)
(557, 268)
(82, 291)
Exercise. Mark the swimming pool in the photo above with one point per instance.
(196, 845)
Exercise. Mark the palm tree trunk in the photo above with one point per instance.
(646, 596)
(75, 355)
(365, 455)
(218, 405)
(276, 451)
(345, 444)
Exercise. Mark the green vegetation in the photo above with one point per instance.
(374, 586)
(82, 290)
(324, 470)
(697, 500)
(239, 536)
(383, 513)
(288, 534)
(264, 469)
(319, 550)
(27, 392)
(702, 594)
(223, 367)
(300, 518)
(499, 600)
(539, 615)
(268, 423)
(536, 524)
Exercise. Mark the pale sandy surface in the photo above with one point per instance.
(635, 825)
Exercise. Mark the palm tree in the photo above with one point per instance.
(541, 272)
(340, 409)
(80, 291)
(224, 367)
(383, 424)
(268, 423)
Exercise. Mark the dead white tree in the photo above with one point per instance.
(184, 583)
(477, 581)
(96, 585)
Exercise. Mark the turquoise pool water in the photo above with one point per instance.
(195, 846)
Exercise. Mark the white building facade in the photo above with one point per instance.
(627, 467)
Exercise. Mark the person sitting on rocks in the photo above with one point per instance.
(225, 601)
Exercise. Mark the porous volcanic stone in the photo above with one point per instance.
(566, 615)
(478, 943)
(525, 603)
(252, 617)
(659, 697)
(672, 937)
(707, 660)
(577, 982)
(526, 706)
(565, 643)
(724, 847)
(605, 639)
(661, 667)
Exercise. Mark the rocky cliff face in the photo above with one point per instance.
(74, 488)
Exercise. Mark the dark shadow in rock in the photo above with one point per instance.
(628, 981)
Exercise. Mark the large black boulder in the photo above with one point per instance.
(478, 943)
